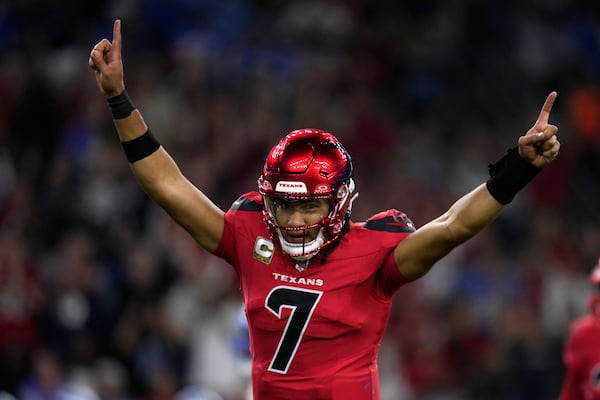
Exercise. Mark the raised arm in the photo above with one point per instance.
(471, 213)
(153, 167)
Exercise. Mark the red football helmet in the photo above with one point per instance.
(595, 274)
(308, 164)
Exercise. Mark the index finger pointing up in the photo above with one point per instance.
(116, 41)
(546, 108)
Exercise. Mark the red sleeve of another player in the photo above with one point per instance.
(570, 387)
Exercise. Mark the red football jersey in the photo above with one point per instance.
(582, 359)
(315, 334)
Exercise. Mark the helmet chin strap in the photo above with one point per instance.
(304, 251)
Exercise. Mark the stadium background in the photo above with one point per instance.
(101, 296)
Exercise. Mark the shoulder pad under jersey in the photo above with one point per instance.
(390, 221)
(247, 202)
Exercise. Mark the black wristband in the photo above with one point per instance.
(140, 147)
(509, 175)
(120, 105)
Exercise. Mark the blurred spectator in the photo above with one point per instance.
(21, 299)
(46, 379)
(110, 380)
(80, 309)
(197, 393)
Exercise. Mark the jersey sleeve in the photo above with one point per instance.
(389, 278)
(236, 226)
(570, 353)
(394, 226)
(570, 386)
(393, 221)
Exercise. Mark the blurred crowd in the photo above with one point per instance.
(103, 297)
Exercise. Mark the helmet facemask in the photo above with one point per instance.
(330, 227)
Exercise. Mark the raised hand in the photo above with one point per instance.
(540, 145)
(105, 60)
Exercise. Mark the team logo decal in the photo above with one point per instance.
(322, 188)
(263, 250)
(291, 187)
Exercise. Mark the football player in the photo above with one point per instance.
(581, 353)
(317, 286)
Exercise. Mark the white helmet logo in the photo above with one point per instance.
(291, 187)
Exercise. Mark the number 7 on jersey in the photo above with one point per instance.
(302, 302)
